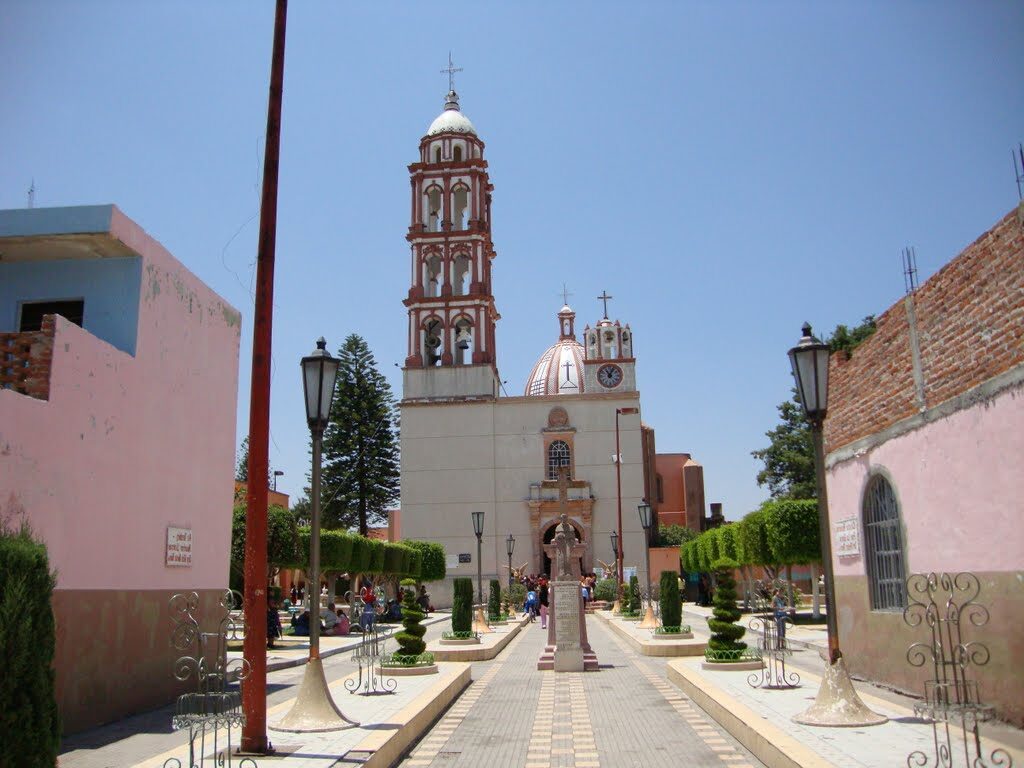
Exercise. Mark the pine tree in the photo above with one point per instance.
(360, 449)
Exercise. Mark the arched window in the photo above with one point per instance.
(458, 153)
(883, 546)
(437, 154)
(558, 456)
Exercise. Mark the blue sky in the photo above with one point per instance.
(725, 170)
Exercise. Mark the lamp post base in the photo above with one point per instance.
(480, 624)
(314, 710)
(650, 621)
(838, 705)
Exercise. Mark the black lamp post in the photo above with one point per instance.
(645, 521)
(478, 529)
(837, 702)
(510, 546)
(314, 709)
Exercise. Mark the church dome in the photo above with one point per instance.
(559, 371)
(451, 120)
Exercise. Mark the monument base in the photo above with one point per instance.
(546, 661)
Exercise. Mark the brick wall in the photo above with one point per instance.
(970, 327)
(25, 360)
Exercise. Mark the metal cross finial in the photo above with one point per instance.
(451, 69)
(565, 295)
(604, 297)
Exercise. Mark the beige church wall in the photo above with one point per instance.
(484, 455)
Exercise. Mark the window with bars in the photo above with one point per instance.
(558, 456)
(883, 538)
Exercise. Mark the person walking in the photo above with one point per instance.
(542, 598)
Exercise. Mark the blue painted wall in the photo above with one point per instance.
(109, 286)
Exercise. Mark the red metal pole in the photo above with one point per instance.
(254, 650)
(618, 491)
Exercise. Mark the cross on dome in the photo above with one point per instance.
(451, 69)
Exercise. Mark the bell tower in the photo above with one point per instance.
(451, 307)
(609, 365)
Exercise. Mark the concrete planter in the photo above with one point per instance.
(459, 641)
(733, 666)
(409, 671)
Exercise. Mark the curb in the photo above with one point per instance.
(657, 648)
(772, 746)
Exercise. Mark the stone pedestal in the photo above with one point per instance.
(568, 649)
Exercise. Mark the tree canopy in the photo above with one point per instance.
(789, 458)
(360, 449)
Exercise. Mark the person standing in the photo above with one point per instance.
(273, 623)
(542, 598)
(779, 607)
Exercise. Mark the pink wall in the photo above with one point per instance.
(126, 446)
(959, 484)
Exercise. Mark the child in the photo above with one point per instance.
(531, 604)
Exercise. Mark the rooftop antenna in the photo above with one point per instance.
(910, 270)
(451, 69)
(1018, 169)
(32, 194)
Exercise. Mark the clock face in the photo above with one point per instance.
(609, 376)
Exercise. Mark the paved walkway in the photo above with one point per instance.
(626, 714)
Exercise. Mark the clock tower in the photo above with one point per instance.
(609, 365)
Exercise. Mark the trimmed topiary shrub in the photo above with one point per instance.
(462, 604)
(432, 566)
(634, 594)
(517, 595)
(671, 608)
(494, 600)
(605, 590)
(29, 721)
(724, 643)
(410, 639)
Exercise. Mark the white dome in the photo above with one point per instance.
(551, 375)
(451, 120)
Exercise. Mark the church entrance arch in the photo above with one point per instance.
(548, 536)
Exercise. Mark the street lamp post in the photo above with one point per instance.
(837, 703)
(314, 709)
(618, 483)
(645, 522)
(649, 620)
(510, 545)
(478, 529)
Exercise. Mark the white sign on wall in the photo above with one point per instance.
(846, 537)
(179, 547)
(451, 561)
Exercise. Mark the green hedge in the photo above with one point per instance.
(376, 564)
(410, 639)
(671, 608)
(29, 721)
(634, 594)
(433, 566)
(462, 604)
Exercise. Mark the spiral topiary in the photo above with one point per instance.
(724, 642)
(410, 639)
(462, 605)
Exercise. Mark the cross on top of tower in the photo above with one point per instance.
(604, 297)
(565, 295)
(451, 69)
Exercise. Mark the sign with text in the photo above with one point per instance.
(465, 557)
(846, 537)
(451, 561)
(179, 547)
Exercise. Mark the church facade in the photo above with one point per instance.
(466, 448)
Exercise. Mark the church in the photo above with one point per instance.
(467, 448)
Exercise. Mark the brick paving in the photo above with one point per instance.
(627, 714)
